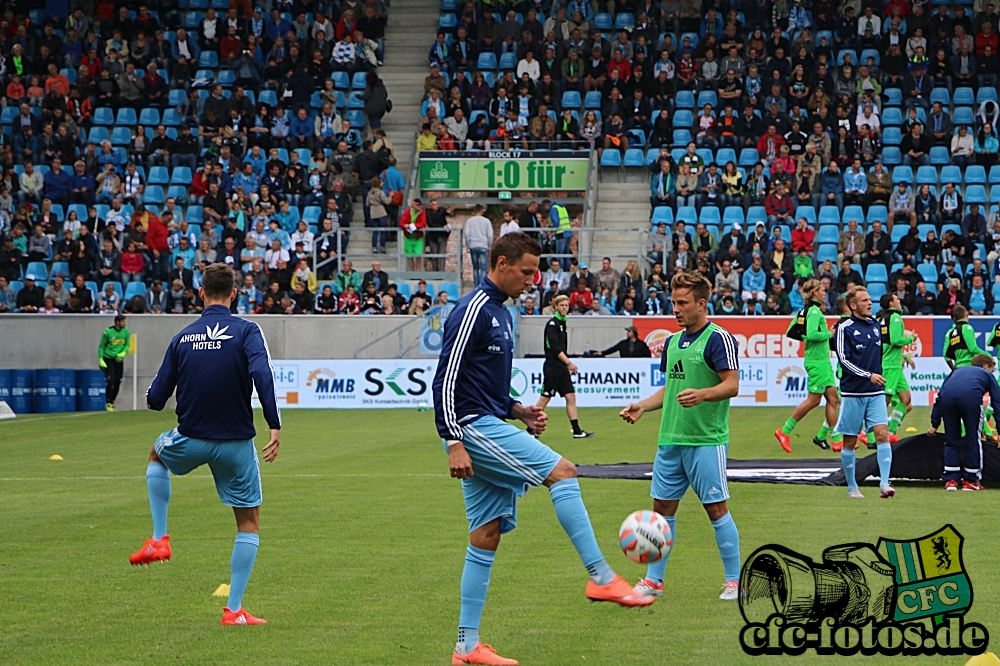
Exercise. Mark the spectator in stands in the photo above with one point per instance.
(974, 225)
(901, 205)
(848, 276)
(8, 297)
(923, 302)
(31, 297)
(779, 207)
(986, 146)
(962, 147)
(832, 186)
(754, 284)
(915, 147)
(951, 299)
(802, 236)
(878, 247)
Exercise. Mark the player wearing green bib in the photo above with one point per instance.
(816, 335)
(960, 344)
(894, 338)
(701, 369)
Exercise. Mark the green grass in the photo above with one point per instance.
(362, 544)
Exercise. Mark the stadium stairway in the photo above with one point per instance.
(619, 206)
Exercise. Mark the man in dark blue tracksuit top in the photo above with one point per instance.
(496, 461)
(960, 403)
(862, 407)
(214, 363)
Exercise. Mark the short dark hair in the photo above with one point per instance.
(886, 299)
(958, 313)
(218, 281)
(514, 246)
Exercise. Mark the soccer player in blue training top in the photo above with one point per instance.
(496, 461)
(701, 364)
(862, 405)
(214, 363)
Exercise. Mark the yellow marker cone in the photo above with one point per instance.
(911, 429)
(985, 659)
(221, 591)
(55, 456)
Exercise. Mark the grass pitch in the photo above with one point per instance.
(362, 544)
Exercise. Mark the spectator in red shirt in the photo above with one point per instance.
(579, 300)
(802, 236)
(987, 36)
(156, 241)
(779, 206)
(349, 303)
(621, 64)
(769, 145)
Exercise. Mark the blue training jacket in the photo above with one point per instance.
(215, 363)
(473, 372)
(966, 385)
(859, 350)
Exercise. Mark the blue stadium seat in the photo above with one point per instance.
(133, 289)
(447, 22)
(158, 175)
(963, 97)
(487, 61)
(270, 97)
(975, 194)
(877, 212)
(853, 213)
(827, 252)
(891, 155)
(686, 214)
(725, 155)
(37, 270)
(682, 137)
(571, 100)
(807, 212)
(876, 272)
(707, 97)
(829, 215)
(683, 100)
(870, 53)
(749, 157)
(928, 272)
(97, 134)
(451, 289)
(893, 96)
(194, 214)
(208, 60)
(359, 80)
(153, 194)
(938, 95)
(508, 61)
(733, 215)
(611, 159)
(756, 214)
(121, 136)
(962, 115)
(951, 174)
(176, 97)
(354, 100)
(663, 214)
(922, 230)
(225, 77)
(876, 289)
(8, 114)
(311, 214)
(59, 269)
(892, 117)
(171, 118)
(683, 118)
(180, 176)
(898, 231)
(624, 21)
(710, 215)
(102, 116)
(603, 22)
(178, 192)
(902, 174)
(951, 227)
(926, 175)
(705, 154)
(341, 80)
(975, 174)
(356, 117)
(828, 234)
(986, 94)
(634, 157)
(994, 176)
(891, 136)
(939, 156)
(126, 116)
(592, 100)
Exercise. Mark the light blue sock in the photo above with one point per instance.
(572, 515)
(241, 563)
(727, 538)
(475, 585)
(884, 453)
(158, 486)
(847, 462)
(656, 570)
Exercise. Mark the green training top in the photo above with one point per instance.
(114, 343)
(817, 335)
(960, 341)
(894, 338)
(705, 424)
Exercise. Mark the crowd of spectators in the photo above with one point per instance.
(142, 142)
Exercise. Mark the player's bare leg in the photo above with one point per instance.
(782, 434)
(832, 411)
(578, 432)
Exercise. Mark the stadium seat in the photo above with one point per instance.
(178, 193)
(893, 96)
(853, 213)
(637, 137)
(707, 97)
(133, 289)
(749, 157)
(891, 136)
(986, 94)
(37, 270)
(876, 272)
(710, 215)
(756, 214)
(682, 137)
(963, 97)
(877, 212)
(725, 155)
(487, 61)
(663, 214)
(683, 100)
(634, 157)
(153, 194)
(733, 215)
(951, 174)
(994, 175)
(687, 214)
(951, 227)
(603, 22)
(451, 289)
(902, 174)
(891, 155)
(928, 272)
(827, 252)
(311, 214)
(103, 116)
(508, 61)
(926, 175)
(176, 97)
(870, 53)
(922, 230)
(940, 156)
(939, 95)
(158, 175)
(975, 194)
(962, 115)
(571, 100)
(447, 22)
(876, 289)
(59, 269)
(975, 174)
(828, 234)
(829, 215)
(807, 212)
(592, 100)
(121, 136)
(180, 176)
(892, 117)
(126, 116)
(611, 159)
(898, 231)
(683, 118)
(624, 21)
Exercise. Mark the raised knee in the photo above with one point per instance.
(153, 457)
(563, 470)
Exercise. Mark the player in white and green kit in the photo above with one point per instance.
(701, 366)
(813, 331)
(894, 338)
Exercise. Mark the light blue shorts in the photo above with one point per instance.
(700, 467)
(859, 413)
(234, 465)
(506, 462)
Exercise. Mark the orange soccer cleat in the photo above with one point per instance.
(837, 445)
(153, 550)
(483, 654)
(238, 618)
(893, 438)
(972, 486)
(783, 439)
(619, 592)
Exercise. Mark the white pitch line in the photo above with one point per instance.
(209, 476)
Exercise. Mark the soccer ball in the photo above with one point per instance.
(645, 537)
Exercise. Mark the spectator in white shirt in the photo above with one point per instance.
(509, 224)
(530, 65)
(304, 236)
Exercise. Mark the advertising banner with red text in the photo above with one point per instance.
(764, 337)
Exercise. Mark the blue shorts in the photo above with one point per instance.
(700, 467)
(859, 413)
(506, 462)
(234, 465)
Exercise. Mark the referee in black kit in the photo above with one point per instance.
(558, 368)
